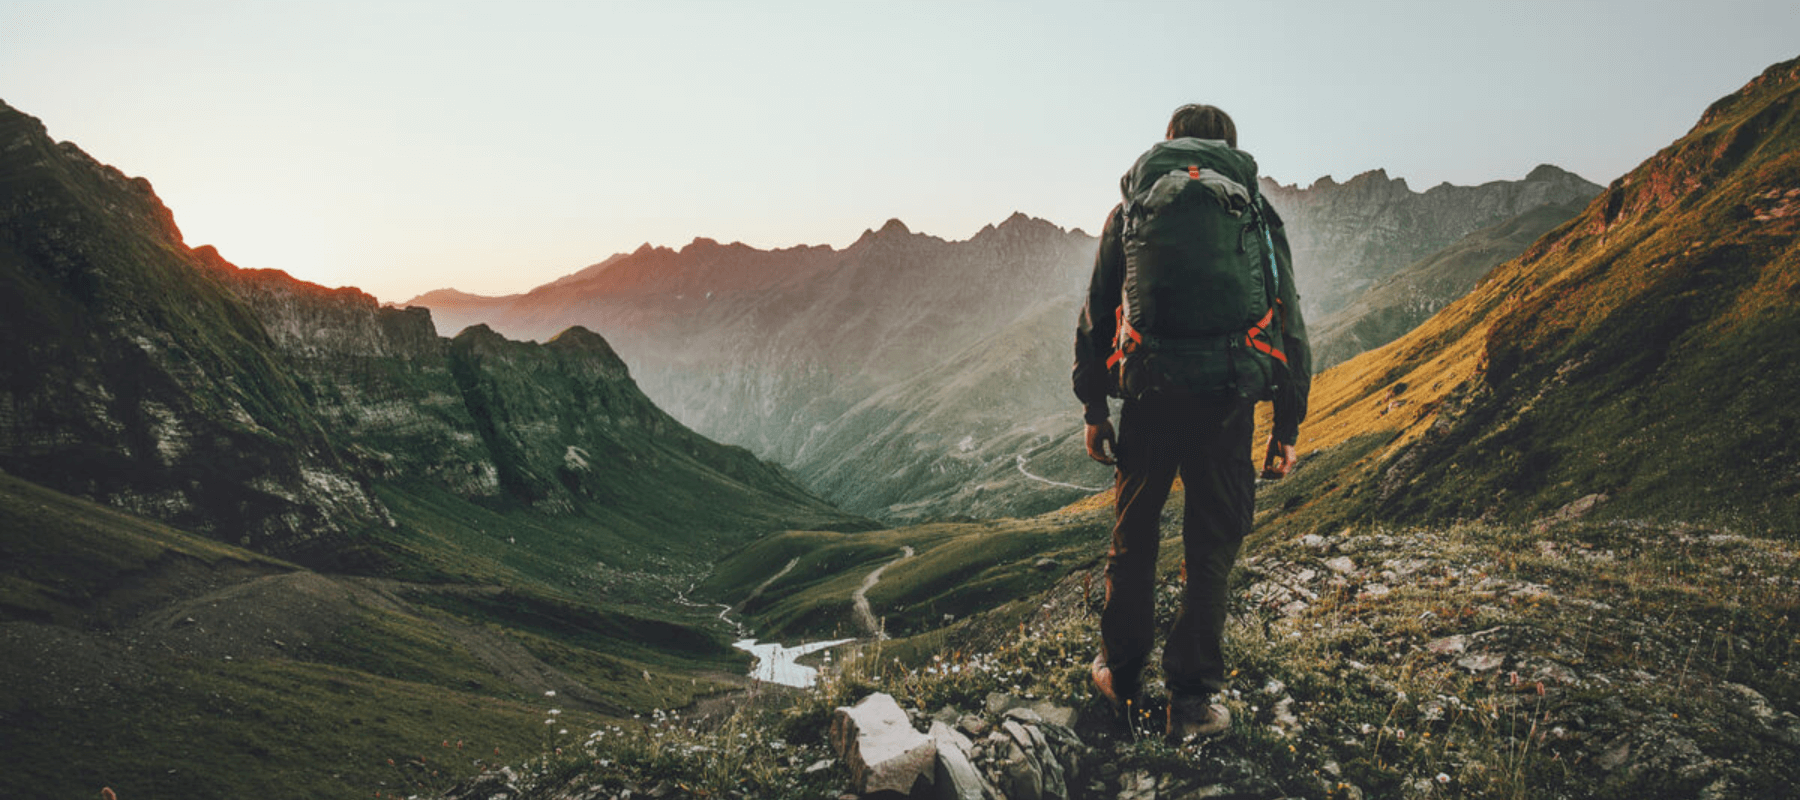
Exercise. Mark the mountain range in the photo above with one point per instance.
(949, 397)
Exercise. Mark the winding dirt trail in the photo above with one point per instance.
(1041, 479)
(757, 592)
(860, 597)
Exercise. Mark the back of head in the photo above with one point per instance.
(1200, 121)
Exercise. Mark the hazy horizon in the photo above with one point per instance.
(402, 147)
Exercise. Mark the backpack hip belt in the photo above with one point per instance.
(1129, 340)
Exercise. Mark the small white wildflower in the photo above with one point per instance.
(550, 693)
(1442, 778)
(554, 711)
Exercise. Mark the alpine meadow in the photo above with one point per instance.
(265, 538)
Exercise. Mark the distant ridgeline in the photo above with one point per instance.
(303, 422)
(910, 378)
(1349, 237)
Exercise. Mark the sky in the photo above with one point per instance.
(492, 147)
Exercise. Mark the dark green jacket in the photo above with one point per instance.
(1095, 331)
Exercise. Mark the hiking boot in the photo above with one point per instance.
(1196, 717)
(1119, 692)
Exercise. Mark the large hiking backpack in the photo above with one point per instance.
(1201, 286)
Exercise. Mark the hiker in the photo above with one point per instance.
(1191, 318)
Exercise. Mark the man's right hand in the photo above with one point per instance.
(1102, 444)
(1278, 461)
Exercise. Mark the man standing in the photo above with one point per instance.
(1191, 318)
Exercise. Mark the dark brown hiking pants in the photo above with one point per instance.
(1208, 444)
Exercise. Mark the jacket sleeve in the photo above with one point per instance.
(1290, 394)
(1097, 325)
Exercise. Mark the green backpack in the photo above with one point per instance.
(1200, 285)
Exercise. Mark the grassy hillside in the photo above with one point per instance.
(956, 571)
(166, 664)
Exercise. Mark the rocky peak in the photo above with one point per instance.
(1021, 224)
(480, 337)
(581, 342)
(444, 295)
(700, 244)
(1775, 75)
(1544, 173)
(891, 230)
(1373, 177)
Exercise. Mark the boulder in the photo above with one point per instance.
(957, 778)
(879, 745)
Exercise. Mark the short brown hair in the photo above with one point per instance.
(1202, 122)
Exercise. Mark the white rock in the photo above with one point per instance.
(879, 745)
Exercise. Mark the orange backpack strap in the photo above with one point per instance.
(1261, 328)
(1127, 339)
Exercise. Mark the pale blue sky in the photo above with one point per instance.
(402, 147)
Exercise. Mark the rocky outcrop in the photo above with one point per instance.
(1017, 750)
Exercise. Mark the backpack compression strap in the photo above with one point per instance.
(1128, 337)
(1261, 328)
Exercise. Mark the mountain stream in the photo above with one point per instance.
(777, 663)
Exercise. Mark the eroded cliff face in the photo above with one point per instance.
(1347, 237)
(132, 376)
(558, 427)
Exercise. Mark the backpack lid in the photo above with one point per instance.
(1179, 154)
